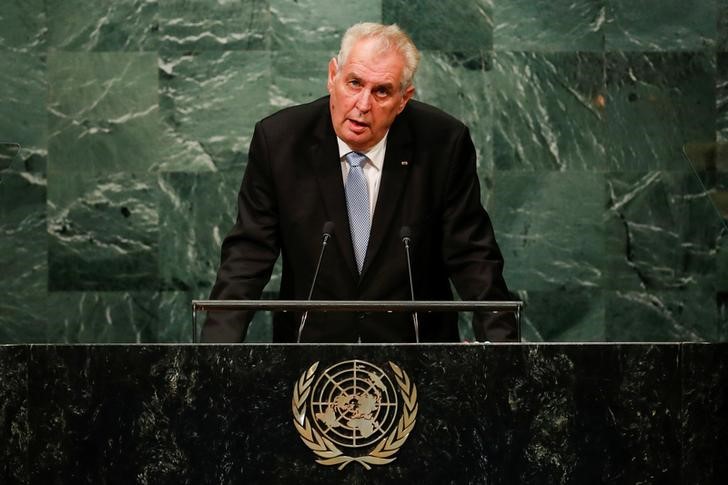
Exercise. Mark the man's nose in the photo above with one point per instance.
(363, 103)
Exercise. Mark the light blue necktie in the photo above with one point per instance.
(357, 203)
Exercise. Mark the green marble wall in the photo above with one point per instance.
(135, 117)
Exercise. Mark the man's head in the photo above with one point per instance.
(370, 82)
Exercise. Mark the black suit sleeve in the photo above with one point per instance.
(251, 248)
(470, 251)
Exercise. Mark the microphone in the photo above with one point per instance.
(406, 235)
(326, 234)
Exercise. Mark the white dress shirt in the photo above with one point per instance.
(372, 168)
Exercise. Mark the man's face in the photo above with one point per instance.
(366, 94)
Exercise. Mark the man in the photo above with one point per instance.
(371, 160)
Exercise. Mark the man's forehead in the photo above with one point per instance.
(362, 74)
(372, 61)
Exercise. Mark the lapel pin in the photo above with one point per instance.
(404, 162)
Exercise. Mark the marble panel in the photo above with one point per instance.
(662, 316)
(14, 428)
(493, 414)
(721, 102)
(174, 324)
(304, 25)
(197, 25)
(561, 421)
(210, 102)
(107, 25)
(662, 232)
(23, 107)
(103, 317)
(660, 25)
(549, 25)
(23, 26)
(23, 257)
(101, 119)
(715, 184)
(465, 328)
(549, 242)
(103, 112)
(101, 390)
(722, 262)
(646, 412)
(196, 211)
(459, 84)
(24, 316)
(298, 77)
(103, 232)
(192, 228)
(655, 103)
(558, 316)
(721, 43)
(704, 414)
(548, 111)
(709, 162)
(448, 25)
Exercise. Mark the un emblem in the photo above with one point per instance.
(354, 406)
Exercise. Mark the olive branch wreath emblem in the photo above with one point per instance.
(327, 452)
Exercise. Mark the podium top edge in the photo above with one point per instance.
(359, 305)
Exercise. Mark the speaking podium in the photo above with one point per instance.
(360, 413)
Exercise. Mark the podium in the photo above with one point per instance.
(486, 413)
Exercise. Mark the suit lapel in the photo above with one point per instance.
(324, 157)
(395, 171)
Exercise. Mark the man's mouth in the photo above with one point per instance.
(358, 124)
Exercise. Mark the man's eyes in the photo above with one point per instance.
(381, 92)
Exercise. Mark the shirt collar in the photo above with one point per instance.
(375, 154)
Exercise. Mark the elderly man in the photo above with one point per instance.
(370, 160)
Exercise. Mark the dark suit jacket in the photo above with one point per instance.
(293, 185)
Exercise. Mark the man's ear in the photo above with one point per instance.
(408, 93)
(333, 67)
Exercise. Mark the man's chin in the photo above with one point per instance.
(359, 142)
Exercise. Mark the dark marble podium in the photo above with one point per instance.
(496, 414)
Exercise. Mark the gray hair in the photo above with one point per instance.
(389, 36)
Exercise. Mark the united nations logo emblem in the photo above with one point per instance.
(354, 406)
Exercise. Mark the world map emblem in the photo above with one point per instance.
(353, 411)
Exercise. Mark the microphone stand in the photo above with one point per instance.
(405, 235)
(327, 230)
